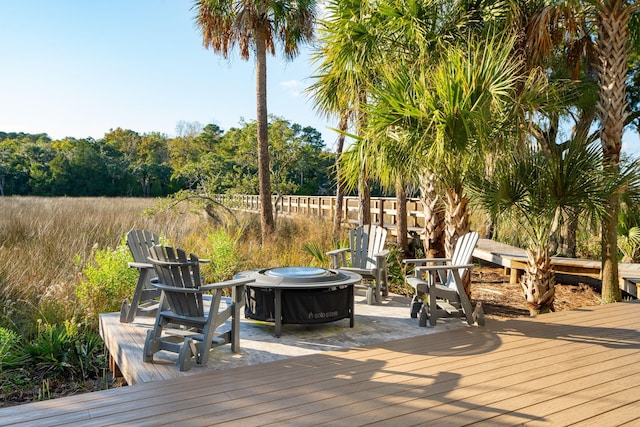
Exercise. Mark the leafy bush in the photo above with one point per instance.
(224, 255)
(69, 350)
(12, 359)
(108, 282)
(11, 354)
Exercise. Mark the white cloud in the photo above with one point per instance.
(293, 88)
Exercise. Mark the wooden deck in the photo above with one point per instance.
(568, 368)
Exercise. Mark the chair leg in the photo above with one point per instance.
(124, 311)
(416, 306)
(385, 283)
(478, 314)
(370, 295)
(149, 344)
(433, 309)
(184, 357)
(424, 316)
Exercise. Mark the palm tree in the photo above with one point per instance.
(257, 26)
(612, 47)
(346, 58)
(450, 109)
(531, 189)
(612, 20)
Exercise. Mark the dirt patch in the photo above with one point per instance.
(502, 300)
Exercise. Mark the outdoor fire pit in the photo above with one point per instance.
(299, 295)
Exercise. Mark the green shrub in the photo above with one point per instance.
(11, 352)
(12, 359)
(69, 351)
(224, 255)
(108, 282)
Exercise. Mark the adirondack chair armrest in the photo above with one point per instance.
(337, 251)
(168, 288)
(382, 253)
(423, 261)
(381, 258)
(170, 263)
(227, 284)
(444, 267)
(139, 265)
(203, 261)
(338, 257)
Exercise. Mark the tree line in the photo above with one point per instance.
(125, 163)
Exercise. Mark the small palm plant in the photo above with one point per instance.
(532, 190)
(629, 231)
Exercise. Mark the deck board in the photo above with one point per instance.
(560, 368)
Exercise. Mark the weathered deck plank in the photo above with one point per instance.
(578, 366)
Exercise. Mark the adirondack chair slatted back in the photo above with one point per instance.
(139, 243)
(462, 255)
(181, 272)
(366, 241)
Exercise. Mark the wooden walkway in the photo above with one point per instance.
(568, 368)
(515, 260)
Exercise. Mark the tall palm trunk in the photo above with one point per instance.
(364, 183)
(568, 233)
(613, 20)
(403, 232)
(433, 217)
(456, 219)
(364, 195)
(337, 215)
(266, 208)
(538, 281)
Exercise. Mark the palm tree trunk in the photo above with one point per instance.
(433, 217)
(266, 208)
(364, 195)
(613, 20)
(364, 184)
(403, 232)
(538, 282)
(568, 232)
(337, 215)
(456, 224)
(456, 218)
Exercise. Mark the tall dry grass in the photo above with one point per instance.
(45, 243)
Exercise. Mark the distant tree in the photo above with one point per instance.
(187, 153)
(298, 161)
(257, 25)
(78, 169)
(14, 167)
(145, 159)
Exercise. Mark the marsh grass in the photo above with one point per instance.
(47, 244)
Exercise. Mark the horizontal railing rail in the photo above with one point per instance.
(384, 210)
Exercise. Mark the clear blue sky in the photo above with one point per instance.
(82, 67)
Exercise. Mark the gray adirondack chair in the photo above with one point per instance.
(441, 292)
(367, 257)
(186, 322)
(145, 297)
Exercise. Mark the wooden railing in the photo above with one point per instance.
(383, 209)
